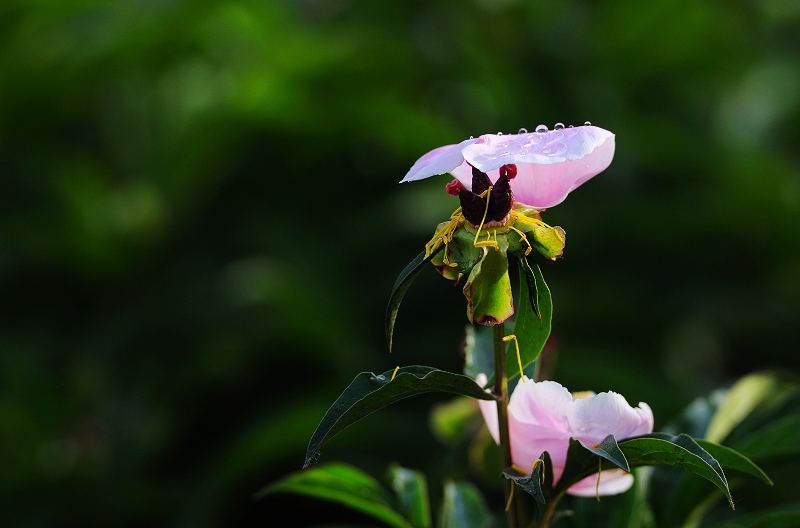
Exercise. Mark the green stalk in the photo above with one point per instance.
(501, 391)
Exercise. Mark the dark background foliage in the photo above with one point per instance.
(201, 225)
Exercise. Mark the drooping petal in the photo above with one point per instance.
(438, 161)
(612, 482)
(592, 419)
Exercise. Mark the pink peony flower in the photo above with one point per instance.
(544, 416)
(550, 164)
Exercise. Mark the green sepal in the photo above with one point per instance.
(488, 288)
(411, 490)
(344, 485)
(547, 240)
(460, 253)
(539, 483)
(401, 285)
(369, 392)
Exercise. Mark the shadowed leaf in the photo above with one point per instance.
(369, 392)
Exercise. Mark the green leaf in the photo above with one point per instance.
(680, 451)
(411, 490)
(538, 483)
(773, 438)
(744, 397)
(463, 506)
(731, 459)
(781, 517)
(401, 285)
(478, 351)
(344, 485)
(532, 330)
(369, 392)
(583, 461)
(452, 421)
(529, 277)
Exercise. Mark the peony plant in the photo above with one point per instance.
(552, 442)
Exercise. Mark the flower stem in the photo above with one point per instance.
(501, 392)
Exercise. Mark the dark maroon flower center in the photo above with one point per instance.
(500, 198)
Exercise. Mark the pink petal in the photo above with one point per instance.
(612, 482)
(537, 422)
(592, 419)
(438, 161)
(543, 404)
(488, 410)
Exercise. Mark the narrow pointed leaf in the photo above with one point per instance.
(529, 277)
(731, 459)
(463, 506)
(369, 392)
(654, 451)
(411, 489)
(401, 285)
(531, 328)
(344, 485)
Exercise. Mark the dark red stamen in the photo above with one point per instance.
(454, 188)
(509, 171)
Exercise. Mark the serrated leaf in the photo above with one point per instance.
(411, 489)
(344, 485)
(463, 506)
(538, 484)
(401, 285)
(369, 392)
(683, 452)
(731, 459)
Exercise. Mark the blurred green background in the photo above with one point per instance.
(201, 225)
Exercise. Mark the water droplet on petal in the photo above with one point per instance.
(559, 126)
(472, 137)
(514, 147)
(523, 131)
(572, 126)
(559, 149)
(541, 129)
(499, 133)
(588, 123)
(547, 151)
(380, 377)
